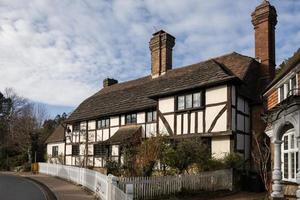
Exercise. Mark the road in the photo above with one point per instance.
(19, 188)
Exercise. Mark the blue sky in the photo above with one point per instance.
(57, 52)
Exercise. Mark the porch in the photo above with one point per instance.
(284, 132)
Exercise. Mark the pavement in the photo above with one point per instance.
(14, 187)
(62, 189)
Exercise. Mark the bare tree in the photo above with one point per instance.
(261, 155)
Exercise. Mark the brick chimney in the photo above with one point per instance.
(161, 45)
(109, 81)
(264, 20)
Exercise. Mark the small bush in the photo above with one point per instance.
(233, 160)
(113, 167)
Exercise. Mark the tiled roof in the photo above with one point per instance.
(134, 95)
(57, 135)
(290, 64)
(125, 133)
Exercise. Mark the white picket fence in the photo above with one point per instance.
(153, 187)
(104, 186)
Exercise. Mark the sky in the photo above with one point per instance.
(57, 52)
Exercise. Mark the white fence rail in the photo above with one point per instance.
(153, 187)
(103, 186)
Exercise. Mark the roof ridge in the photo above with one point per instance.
(223, 67)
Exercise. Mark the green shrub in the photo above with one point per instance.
(184, 154)
(113, 167)
(233, 160)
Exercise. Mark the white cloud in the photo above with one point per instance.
(58, 52)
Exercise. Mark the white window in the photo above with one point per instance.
(287, 89)
(289, 156)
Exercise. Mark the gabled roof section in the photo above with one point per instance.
(134, 95)
(285, 68)
(58, 135)
(125, 133)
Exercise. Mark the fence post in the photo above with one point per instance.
(111, 180)
(180, 182)
(129, 191)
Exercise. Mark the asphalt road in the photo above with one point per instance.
(19, 188)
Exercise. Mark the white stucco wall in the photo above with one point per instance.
(123, 120)
(105, 134)
(166, 104)
(114, 121)
(192, 123)
(61, 148)
(200, 122)
(150, 129)
(220, 146)
(68, 149)
(68, 160)
(216, 94)
(178, 123)
(221, 124)
(92, 125)
(185, 123)
(91, 136)
(140, 117)
(210, 115)
(115, 150)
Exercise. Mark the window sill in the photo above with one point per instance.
(190, 109)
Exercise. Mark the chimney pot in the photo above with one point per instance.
(109, 81)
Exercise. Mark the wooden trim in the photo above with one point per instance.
(229, 109)
(216, 118)
(211, 134)
(217, 104)
(165, 122)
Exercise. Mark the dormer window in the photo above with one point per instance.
(189, 101)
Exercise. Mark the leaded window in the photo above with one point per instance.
(189, 101)
(54, 151)
(131, 119)
(151, 116)
(76, 127)
(103, 123)
(75, 150)
(100, 150)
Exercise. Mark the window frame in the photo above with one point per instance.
(104, 150)
(75, 152)
(130, 121)
(55, 151)
(289, 153)
(192, 94)
(76, 126)
(106, 122)
(153, 119)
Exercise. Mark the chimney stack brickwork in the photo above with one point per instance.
(161, 45)
(264, 20)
